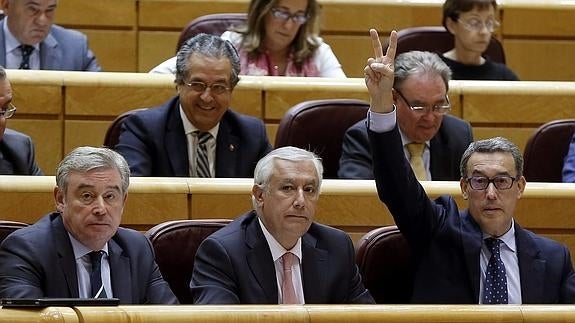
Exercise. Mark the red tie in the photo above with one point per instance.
(288, 291)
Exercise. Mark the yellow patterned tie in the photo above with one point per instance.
(416, 160)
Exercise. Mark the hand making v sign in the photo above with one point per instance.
(379, 73)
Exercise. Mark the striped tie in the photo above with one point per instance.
(97, 285)
(202, 162)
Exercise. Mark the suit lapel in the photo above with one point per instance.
(227, 145)
(471, 242)
(175, 142)
(531, 268)
(50, 54)
(66, 259)
(314, 269)
(262, 269)
(2, 44)
(120, 273)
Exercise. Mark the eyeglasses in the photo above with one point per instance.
(501, 182)
(298, 18)
(438, 108)
(201, 87)
(8, 112)
(477, 25)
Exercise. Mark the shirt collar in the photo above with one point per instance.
(508, 237)
(190, 128)
(80, 250)
(276, 248)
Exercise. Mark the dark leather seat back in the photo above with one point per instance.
(175, 244)
(319, 126)
(7, 227)
(437, 39)
(546, 150)
(214, 24)
(384, 260)
(113, 133)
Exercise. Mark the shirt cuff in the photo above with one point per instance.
(381, 122)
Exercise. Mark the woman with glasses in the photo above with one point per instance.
(280, 38)
(472, 23)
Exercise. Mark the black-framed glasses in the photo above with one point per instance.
(501, 182)
(477, 25)
(200, 87)
(438, 108)
(8, 112)
(298, 18)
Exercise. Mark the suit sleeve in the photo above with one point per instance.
(158, 291)
(357, 293)
(134, 145)
(569, 165)
(89, 59)
(20, 272)
(355, 161)
(33, 168)
(213, 280)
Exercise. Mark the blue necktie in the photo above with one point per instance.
(98, 290)
(26, 52)
(495, 287)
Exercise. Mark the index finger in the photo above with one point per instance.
(392, 47)
(376, 43)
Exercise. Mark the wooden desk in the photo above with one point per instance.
(351, 205)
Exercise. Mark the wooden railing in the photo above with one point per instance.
(64, 110)
(136, 35)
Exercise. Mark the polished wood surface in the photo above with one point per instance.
(63, 110)
(136, 35)
(351, 205)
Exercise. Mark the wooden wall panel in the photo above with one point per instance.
(115, 50)
(154, 47)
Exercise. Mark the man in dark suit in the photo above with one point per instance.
(421, 81)
(30, 40)
(79, 251)
(16, 148)
(480, 255)
(276, 253)
(168, 140)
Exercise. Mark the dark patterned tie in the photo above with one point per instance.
(495, 287)
(98, 290)
(202, 162)
(26, 52)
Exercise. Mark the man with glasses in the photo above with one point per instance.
(433, 140)
(472, 23)
(480, 255)
(16, 148)
(196, 134)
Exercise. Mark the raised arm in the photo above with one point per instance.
(379, 73)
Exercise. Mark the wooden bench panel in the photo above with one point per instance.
(115, 50)
(519, 136)
(48, 136)
(101, 13)
(524, 56)
(154, 47)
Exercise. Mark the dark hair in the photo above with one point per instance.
(492, 145)
(209, 46)
(305, 42)
(453, 8)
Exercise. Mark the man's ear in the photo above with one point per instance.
(463, 186)
(258, 192)
(521, 182)
(59, 199)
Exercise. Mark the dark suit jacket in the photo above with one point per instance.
(234, 265)
(63, 49)
(447, 243)
(17, 151)
(38, 261)
(154, 143)
(446, 148)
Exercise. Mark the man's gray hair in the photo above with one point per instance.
(209, 46)
(420, 63)
(265, 166)
(85, 159)
(492, 145)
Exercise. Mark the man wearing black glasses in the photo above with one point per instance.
(16, 148)
(433, 140)
(196, 134)
(477, 256)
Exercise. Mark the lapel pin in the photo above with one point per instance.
(231, 147)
